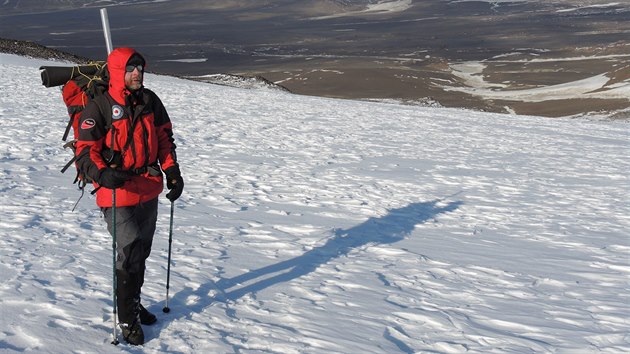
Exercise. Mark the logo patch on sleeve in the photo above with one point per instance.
(117, 112)
(88, 124)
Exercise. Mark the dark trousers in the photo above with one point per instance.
(135, 227)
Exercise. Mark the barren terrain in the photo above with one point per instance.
(549, 58)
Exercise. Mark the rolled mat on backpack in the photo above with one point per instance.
(58, 75)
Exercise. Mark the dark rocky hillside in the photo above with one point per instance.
(34, 50)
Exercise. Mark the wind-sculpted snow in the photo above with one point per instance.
(313, 225)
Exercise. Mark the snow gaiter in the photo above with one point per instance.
(128, 300)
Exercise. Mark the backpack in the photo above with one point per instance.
(81, 84)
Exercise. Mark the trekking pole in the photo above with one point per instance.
(115, 339)
(108, 44)
(166, 309)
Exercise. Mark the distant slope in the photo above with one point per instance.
(34, 50)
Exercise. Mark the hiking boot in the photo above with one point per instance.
(133, 333)
(146, 317)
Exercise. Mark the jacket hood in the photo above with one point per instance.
(116, 62)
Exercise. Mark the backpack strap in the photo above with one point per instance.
(72, 111)
(68, 126)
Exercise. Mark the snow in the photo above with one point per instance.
(313, 225)
(579, 3)
(591, 87)
(380, 7)
(389, 6)
(188, 61)
(597, 6)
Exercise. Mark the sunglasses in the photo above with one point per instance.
(131, 68)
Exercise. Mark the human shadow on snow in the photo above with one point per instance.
(393, 227)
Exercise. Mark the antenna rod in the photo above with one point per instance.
(108, 35)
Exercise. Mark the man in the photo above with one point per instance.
(125, 141)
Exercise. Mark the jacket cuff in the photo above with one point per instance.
(173, 171)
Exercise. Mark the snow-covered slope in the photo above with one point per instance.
(313, 225)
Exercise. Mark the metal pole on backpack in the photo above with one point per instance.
(106, 31)
(166, 309)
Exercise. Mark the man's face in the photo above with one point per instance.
(133, 79)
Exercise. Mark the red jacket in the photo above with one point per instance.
(140, 136)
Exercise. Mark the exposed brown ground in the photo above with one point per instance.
(422, 81)
(412, 55)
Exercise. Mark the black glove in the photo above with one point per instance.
(112, 179)
(174, 182)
